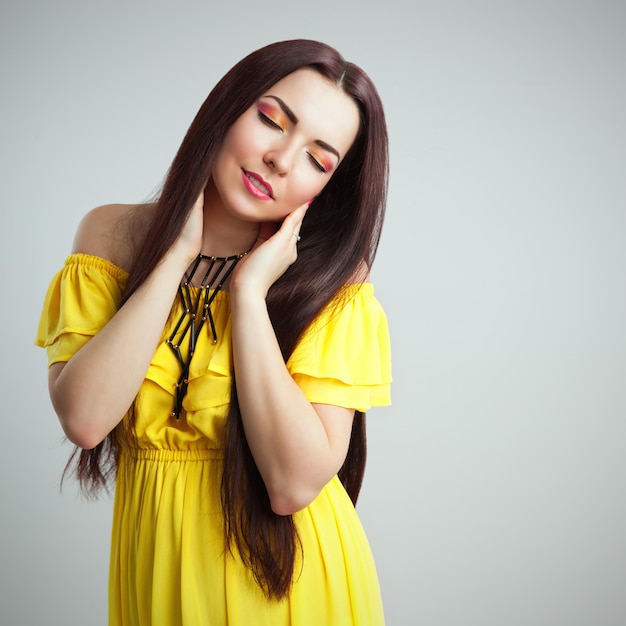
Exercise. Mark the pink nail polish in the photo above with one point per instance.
(309, 202)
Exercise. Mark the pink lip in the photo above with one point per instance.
(253, 189)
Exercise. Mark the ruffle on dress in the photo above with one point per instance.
(81, 299)
(343, 358)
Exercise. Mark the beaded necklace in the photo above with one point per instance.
(196, 311)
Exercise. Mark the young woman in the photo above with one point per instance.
(216, 350)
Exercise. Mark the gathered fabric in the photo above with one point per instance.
(169, 564)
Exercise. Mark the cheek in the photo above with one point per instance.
(303, 189)
(300, 194)
(248, 135)
(238, 139)
(316, 185)
(230, 147)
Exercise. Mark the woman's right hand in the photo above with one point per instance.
(92, 391)
(189, 242)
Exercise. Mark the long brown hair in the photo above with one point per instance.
(341, 231)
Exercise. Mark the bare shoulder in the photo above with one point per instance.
(109, 231)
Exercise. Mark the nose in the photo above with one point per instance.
(279, 159)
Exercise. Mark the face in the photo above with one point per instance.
(283, 150)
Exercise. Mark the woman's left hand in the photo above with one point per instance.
(272, 253)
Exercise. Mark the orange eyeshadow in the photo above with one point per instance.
(324, 161)
(274, 113)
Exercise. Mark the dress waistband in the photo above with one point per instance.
(164, 455)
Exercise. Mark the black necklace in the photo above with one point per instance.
(196, 311)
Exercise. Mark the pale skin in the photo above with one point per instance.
(297, 446)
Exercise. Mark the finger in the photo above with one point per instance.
(293, 222)
(199, 199)
(301, 213)
(294, 219)
(291, 226)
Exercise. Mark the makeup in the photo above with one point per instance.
(272, 115)
(279, 116)
(258, 187)
(320, 161)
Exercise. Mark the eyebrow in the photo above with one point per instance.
(294, 120)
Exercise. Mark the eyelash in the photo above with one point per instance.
(272, 124)
(316, 164)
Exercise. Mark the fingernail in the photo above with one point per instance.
(309, 202)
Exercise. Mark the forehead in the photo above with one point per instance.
(323, 110)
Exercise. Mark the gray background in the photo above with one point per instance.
(495, 487)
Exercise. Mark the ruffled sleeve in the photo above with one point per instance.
(344, 357)
(81, 299)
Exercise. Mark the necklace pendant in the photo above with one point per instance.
(195, 311)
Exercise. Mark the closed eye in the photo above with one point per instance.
(316, 164)
(270, 122)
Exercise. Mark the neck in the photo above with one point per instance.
(223, 234)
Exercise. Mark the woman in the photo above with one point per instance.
(223, 383)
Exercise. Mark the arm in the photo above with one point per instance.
(297, 446)
(92, 392)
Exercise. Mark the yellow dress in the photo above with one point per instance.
(168, 564)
